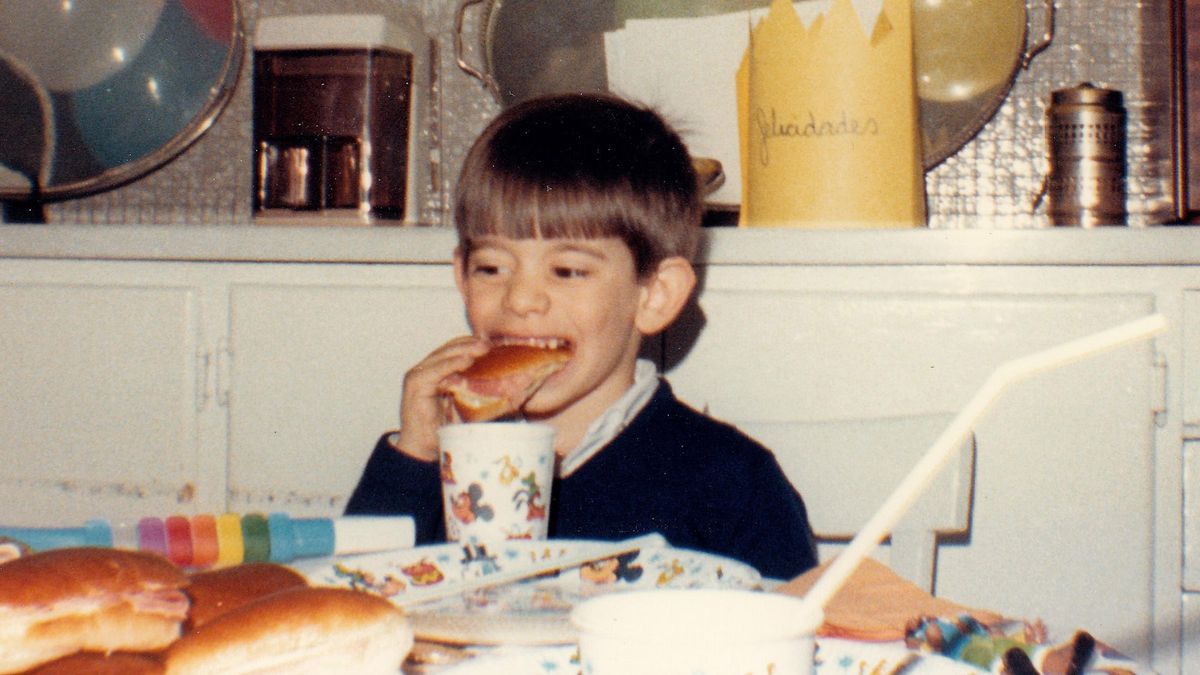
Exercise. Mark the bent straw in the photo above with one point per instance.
(917, 480)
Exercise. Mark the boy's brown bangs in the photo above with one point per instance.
(520, 209)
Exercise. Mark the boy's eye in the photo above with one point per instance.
(570, 273)
(486, 266)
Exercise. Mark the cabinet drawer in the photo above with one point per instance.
(1191, 629)
(1191, 515)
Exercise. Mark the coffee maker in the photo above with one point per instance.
(340, 133)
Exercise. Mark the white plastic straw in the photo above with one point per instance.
(915, 483)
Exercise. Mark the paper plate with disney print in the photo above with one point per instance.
(532, 612)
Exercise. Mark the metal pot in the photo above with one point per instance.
(532, 47)
(1085, 134)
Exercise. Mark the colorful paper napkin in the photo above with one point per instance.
(876, 604)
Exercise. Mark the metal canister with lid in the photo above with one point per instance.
(1085, 134)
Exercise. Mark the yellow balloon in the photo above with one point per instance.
(964, 48)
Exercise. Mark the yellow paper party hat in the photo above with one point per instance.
(827, 117)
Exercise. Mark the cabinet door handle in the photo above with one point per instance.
(224, 371)
(1160, 390)
(204, 377)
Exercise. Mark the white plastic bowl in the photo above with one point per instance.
(696, 632)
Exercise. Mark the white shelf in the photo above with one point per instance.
(724, 246)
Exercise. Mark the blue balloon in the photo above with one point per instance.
(157, 96)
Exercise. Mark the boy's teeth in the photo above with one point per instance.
(544, 343)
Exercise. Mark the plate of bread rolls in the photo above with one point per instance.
(101, 610)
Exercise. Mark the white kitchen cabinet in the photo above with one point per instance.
(1064, 487)
(1190, 321)
(317, 364)
(1191, 558)
(1191, 483)
(157, 370)
(146, 388)
(1191, 445)
(101, 393)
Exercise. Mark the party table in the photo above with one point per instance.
(876, 623)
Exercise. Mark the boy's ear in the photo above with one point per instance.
(664, 294)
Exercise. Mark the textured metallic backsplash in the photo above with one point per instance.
(991, 183)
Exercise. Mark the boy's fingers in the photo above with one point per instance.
(449, 412)
(445, 361)
(423, 407)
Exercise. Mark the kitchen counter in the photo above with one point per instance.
(724, 246)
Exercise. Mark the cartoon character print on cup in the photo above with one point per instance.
(530, 497)
(496, 481)
(468, 505)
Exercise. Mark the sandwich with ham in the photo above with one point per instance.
(56, 603)
(500, 383)
(298, 631)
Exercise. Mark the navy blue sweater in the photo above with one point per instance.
(701, 483)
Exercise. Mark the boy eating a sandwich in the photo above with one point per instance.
(578, 217)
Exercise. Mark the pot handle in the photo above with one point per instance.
(1026, 59)
(460, 49)
(1047, 37)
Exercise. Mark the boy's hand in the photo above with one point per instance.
(423, 407)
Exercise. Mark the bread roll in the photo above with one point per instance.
(56, 603)
(298, 631)
(95, 663)
(500, 382)
(215, 592)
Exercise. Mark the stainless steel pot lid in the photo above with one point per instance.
(100, 92)
(967, 53)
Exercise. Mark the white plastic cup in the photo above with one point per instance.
(696, 632)
(496, 479)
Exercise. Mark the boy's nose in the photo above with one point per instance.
(526, 296)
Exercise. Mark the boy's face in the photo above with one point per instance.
(584, 291)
